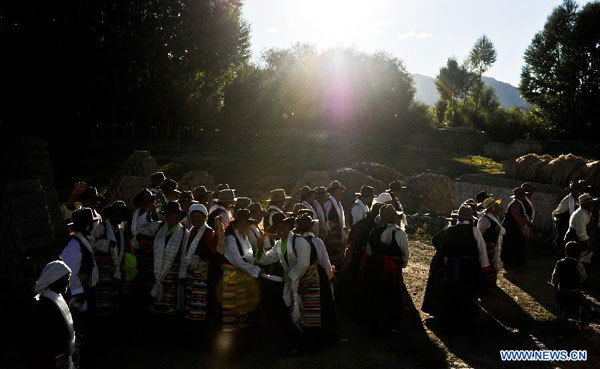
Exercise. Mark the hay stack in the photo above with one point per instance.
(194, 179)
(378, 171)
(593, 174)
(430, 192)
(139, 164)
(127, 188)
(353, 180)
(560, 171)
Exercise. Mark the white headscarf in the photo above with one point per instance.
(52, 272)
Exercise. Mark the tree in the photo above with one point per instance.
(481, 58)
(453, 83)
(561, 74)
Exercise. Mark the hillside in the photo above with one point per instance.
(508, 95)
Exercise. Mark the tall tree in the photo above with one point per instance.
(453, 83)
(482, 57)
(561, 74)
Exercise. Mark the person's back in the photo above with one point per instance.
(568, 277)
(459, 241)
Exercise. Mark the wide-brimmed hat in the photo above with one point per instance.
(384, 198)
(170, 185)
(157, 177)
(226, 196)
(482, 195)
(305, 211)
(186, 196)
(278, 194)
(242, 202)
(518, 192)
(581, 185)
(387, 214)
(256, 207)
(305, 191)
(242, 214)
(175, 207)
(82, 217)
(585, 198)
(198, 207)
(529, 187)
(117, 206)
(200, 191)
(221, 187)
(334, 186)
(297, 207)
(320, 191)
(89, 193)
(490, 202)
(279, 218)
(465, 212)
(395, 186)
(366, 191)
(137, 199)
(304, 221)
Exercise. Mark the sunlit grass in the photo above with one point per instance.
(483, 164)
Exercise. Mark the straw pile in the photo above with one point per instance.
(127, 188)
(194, 179)
(378, 171)
(556, 171)
(429, 192)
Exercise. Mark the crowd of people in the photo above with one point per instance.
(225, 263)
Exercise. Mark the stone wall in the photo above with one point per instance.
(502, 151)
(545, 199)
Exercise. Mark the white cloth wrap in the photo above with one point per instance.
(164, 255)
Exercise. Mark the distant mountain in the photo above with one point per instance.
(508, 95)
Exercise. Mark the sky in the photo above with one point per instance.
(422, 33)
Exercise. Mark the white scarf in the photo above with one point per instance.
(272, 209)
(340, 211)
(532, 208)
(164, 255)
(496, 260)
(95, 273)
(225, 222)
(321, 214)
(362, 205)
(386, 235)
(116, 253)
(60, 302)
(571, 205)
(246, 247)
(311, 208)
(187, 260)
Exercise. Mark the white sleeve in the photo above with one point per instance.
(302, 259)
(232, 254)
(71, 255)
(563, 206)
(148, 228)
(483, 224)
(100, 243)
(402, 242)
(322, 255)
(357, 214)
(483, 257)
(577, 222)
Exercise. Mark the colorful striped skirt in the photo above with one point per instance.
(240, 298)
(168, 304)
(309, 291)
(108, 290)
(196, 292)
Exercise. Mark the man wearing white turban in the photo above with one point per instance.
(53, 331)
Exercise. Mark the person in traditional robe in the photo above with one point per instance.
(395, 189)
(563, 212)
(53, 336)
(277, 199)
(479, 198)
(530, 190)
(336, 235)
(433, 300)
(352, 275)
(493, 233)
(168, 193)
(222, 208)
(517, 223)
(388, 255)
(240, 298)
(203, 196)
(78, 254)
(362, 205)
(186, 199)
(88, 197)
(464, 253)
(142, 246)
(169, 237)
(156, 181)
(109, 248)
(319, 203)
(578, 227)
(200, 266)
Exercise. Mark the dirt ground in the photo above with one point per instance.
(517, 315)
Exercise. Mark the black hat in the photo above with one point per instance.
(200, 191)
(305, 221)
(175, 207)
(482, 195)
(335, 185)
(306, 191)
(366, 191)
(242, 214)
(137, 199)
(157, 177)
(82, 217)
(88, 193)
(186, 196)
(279, 218)
(220, 187)
(395, 186)
(119, 206)
(170, 185)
